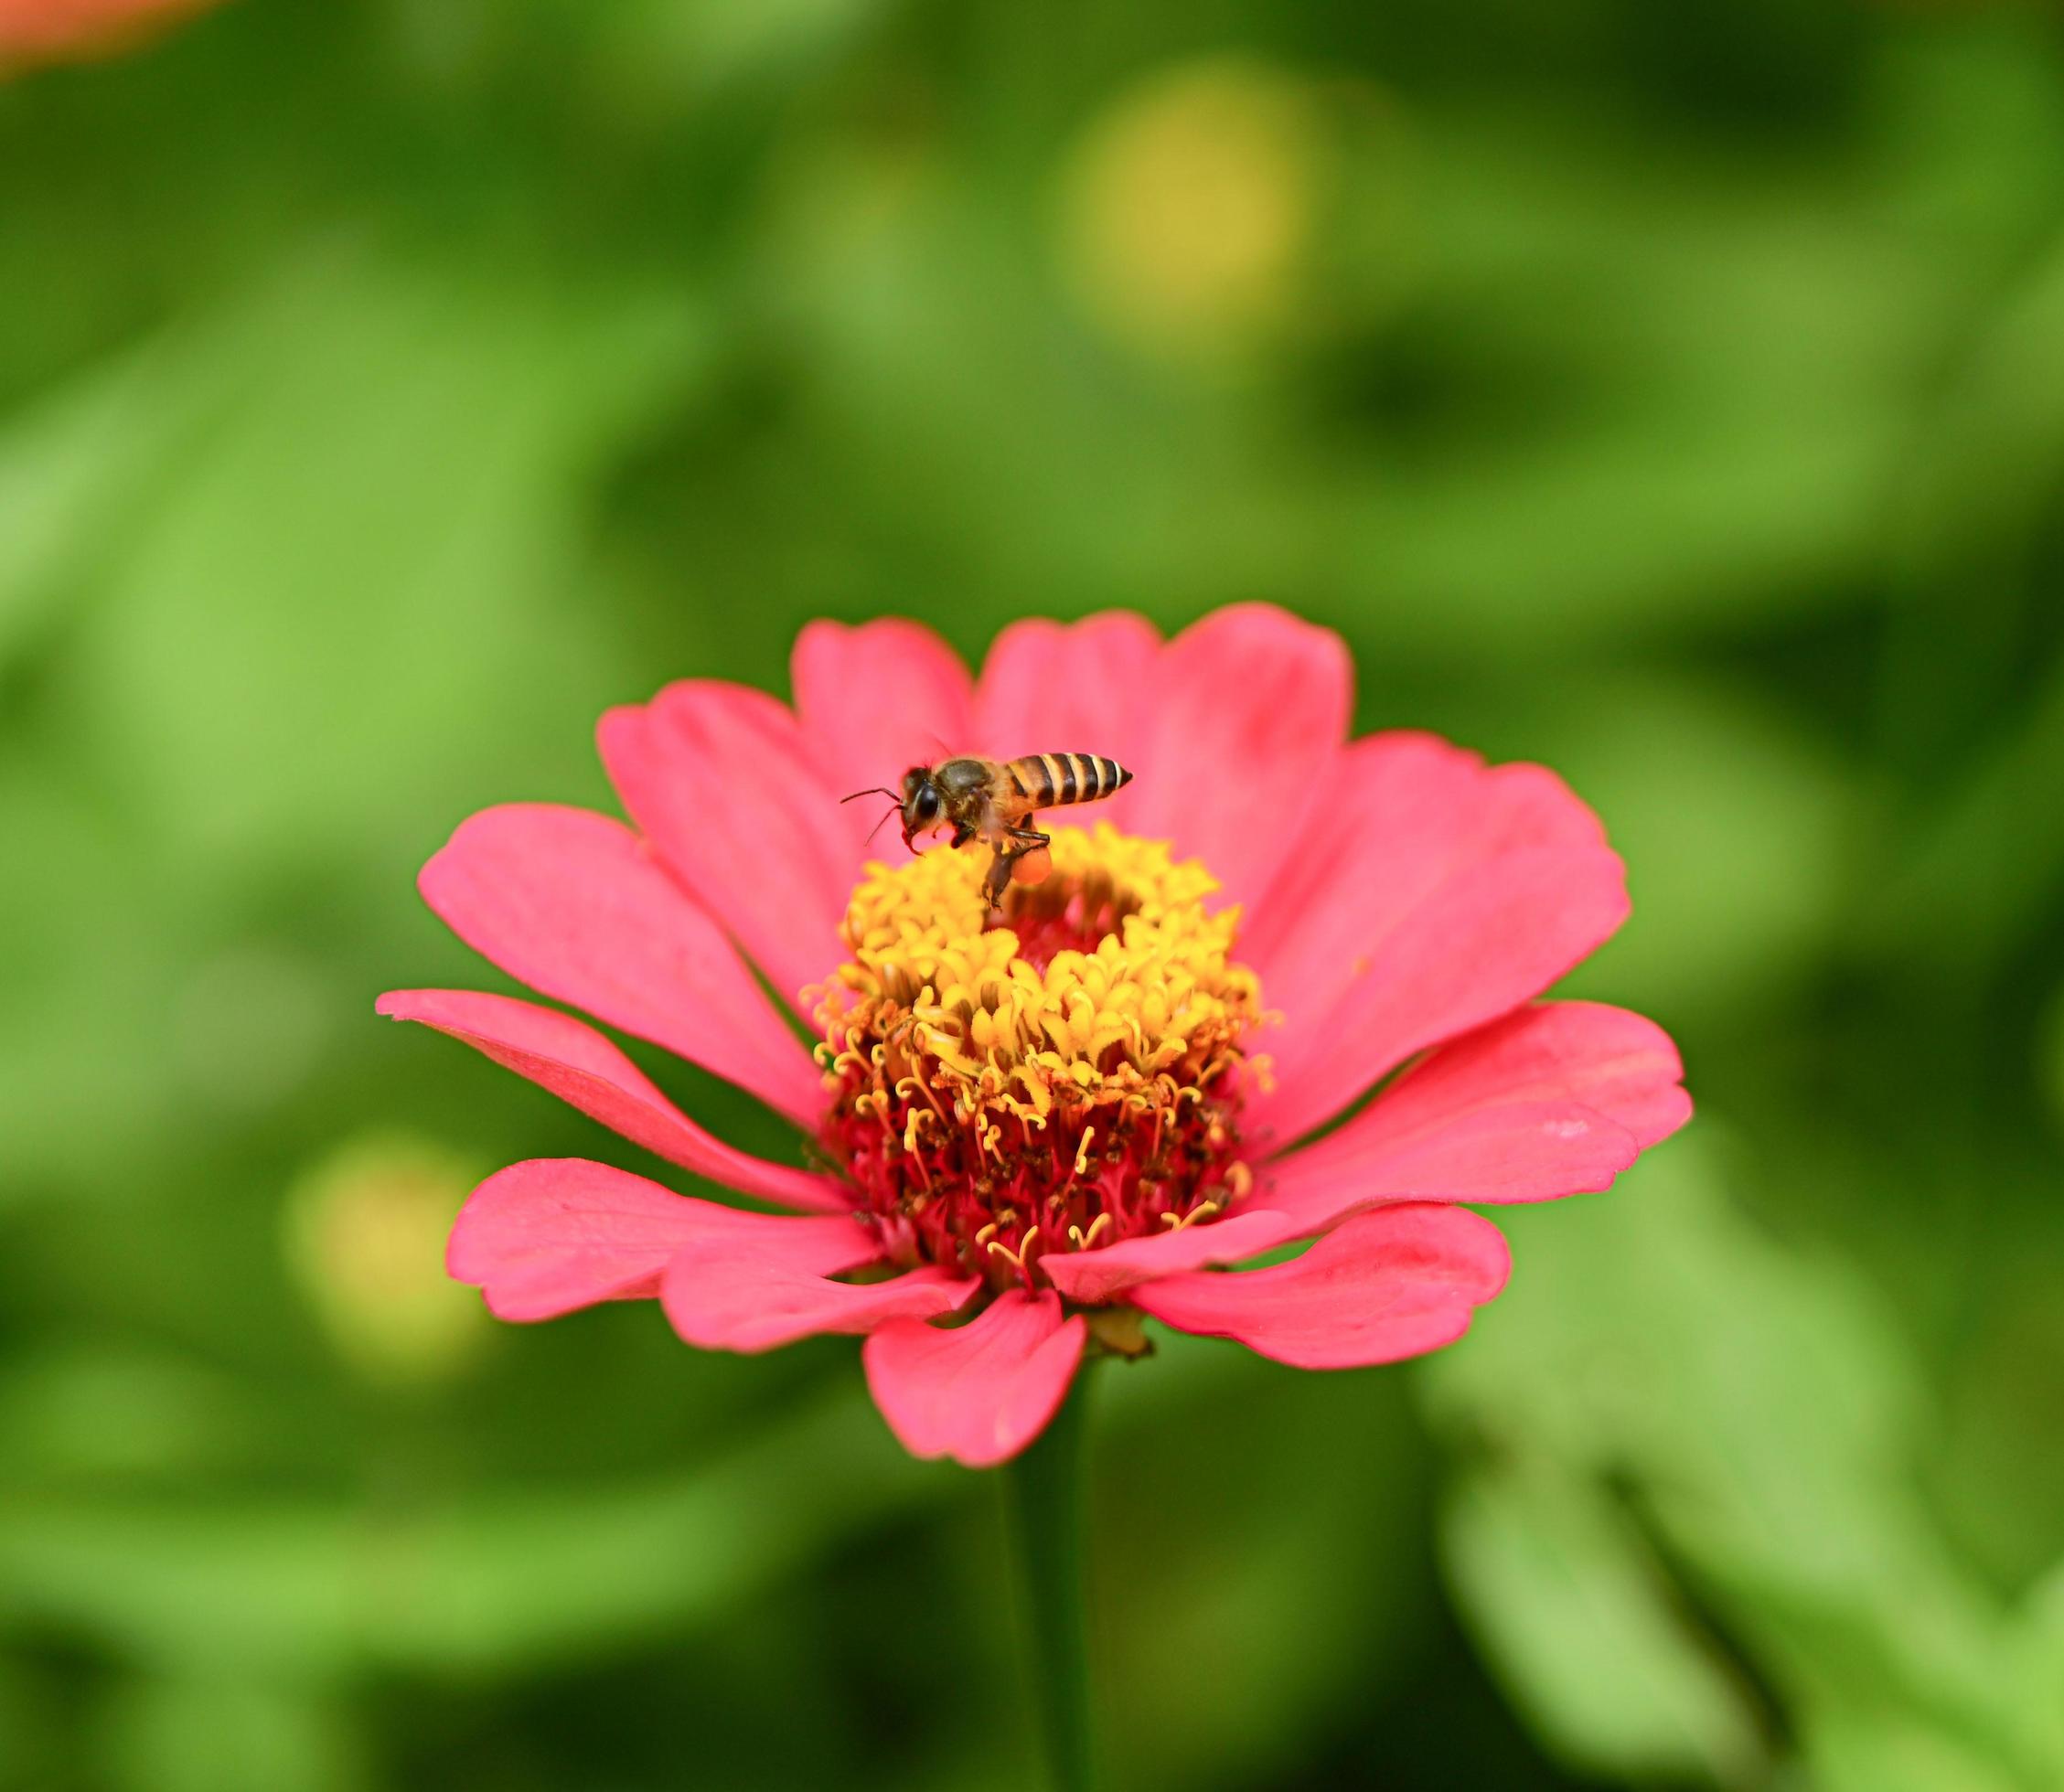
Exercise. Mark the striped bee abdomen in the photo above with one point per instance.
(1046, 780)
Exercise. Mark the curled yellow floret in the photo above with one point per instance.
(1073, 1065)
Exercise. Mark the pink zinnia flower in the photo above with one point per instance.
(1035, 1126)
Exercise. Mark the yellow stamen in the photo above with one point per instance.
(1083, 1240)
(1082, 1151)
(1158, 994)
(1085, 1059)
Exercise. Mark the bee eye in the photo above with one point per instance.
(928, 806)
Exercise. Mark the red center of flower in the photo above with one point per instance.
(1064, 915)
(1063, 1076)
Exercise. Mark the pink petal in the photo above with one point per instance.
(1393, 1283)
(875, 700)
(571, 904)
(1554, 1100)
(1493, 937)
(1617, 1062)
(554, 1234)
(742, 812)
(1403, 813)
(1098, 1275)
(580, 1066)
(1514, 1151)
(978, 1393)
(1074, 688)
(1408, 813)
(747, 1296)
(1250, 709)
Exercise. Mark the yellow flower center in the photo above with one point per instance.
(1059, 1075)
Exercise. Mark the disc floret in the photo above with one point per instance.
(1062, 1074)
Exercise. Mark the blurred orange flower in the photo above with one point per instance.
(63, 30)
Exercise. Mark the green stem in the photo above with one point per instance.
(1043, 1512)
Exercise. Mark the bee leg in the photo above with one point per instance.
(1028, 862)
(998, 879)
(962, 833)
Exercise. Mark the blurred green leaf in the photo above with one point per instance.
(1329, 1567)
(1981, 873)
(1667, 394)
(30, 1736)
(1739, 830)
(1582, 1623)
(2049, 1060)
(1763, 1416)
(1989, 463)
(377, 541)
(1654, 1328)
(74, 468)
(655, 54)
(94, 1411)
(301, 650)
(168, 1735)
(1870, 1749)
(2042, 1665)
(308, 1593)
(2005, 1497)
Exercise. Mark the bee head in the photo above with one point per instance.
(923, 806)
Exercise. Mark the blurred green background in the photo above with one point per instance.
(1673, 393)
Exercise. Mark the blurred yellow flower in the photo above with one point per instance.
(1188, 210)
(365, 1240)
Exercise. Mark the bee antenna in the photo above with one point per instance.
(876, 790)
(896, 809)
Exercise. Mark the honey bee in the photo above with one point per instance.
(989, 799)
